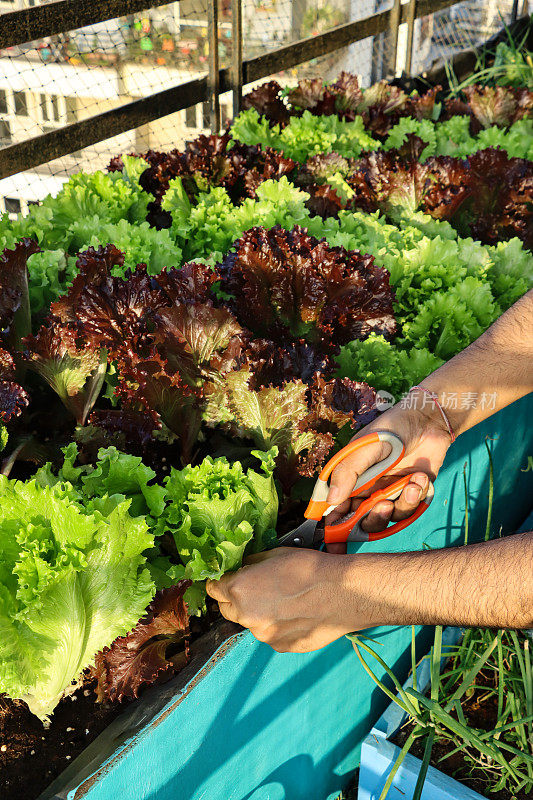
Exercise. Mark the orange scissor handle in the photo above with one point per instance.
(318, 505)
(349, 530)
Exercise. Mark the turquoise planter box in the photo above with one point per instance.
(245, 723)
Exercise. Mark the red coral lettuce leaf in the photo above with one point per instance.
(15, 315)
(301, 421)
(498, 105)
(13, 400)
(140, 658)
(289, 284)
(75, 373)
(266, 99)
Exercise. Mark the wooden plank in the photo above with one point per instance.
(29, 24)
(411, 16)
(49, 146)
(394, 25)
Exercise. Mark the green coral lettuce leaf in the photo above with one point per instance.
(70, 583)
(216, 510)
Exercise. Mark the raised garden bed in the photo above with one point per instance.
(238, 707)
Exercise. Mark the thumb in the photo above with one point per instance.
(345, 475)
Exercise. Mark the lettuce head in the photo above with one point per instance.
(70, 583)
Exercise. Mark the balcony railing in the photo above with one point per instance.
(27, 25)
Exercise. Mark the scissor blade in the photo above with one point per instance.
(302, 536)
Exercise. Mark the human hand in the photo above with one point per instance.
(426, 441)
(294, 600)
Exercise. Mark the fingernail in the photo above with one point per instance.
(412, 494)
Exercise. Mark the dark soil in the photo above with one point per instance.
(32, 756)
(480, 712)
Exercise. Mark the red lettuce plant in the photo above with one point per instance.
(74, 372)
(15, 323)
(15, 315)
(488, 195)
(287, 285)
(154, 650)
(301, 421)
(381, 105)
(13, 398)
(491, 105)
(266, 99)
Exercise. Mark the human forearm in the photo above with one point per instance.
(301, 600)
(491, 373)
(487, 585)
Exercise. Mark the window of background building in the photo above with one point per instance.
(21, 103)
(5, 132)
(72, 109)
(44, 106)
(55, 107)
(12, 205)
(3, 101)
(190, 117)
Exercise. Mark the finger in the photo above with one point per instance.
(345, 475)
(414, 492)
(229, 612)
(338, 512)
(219, 590)
(338, 548)
(379, 517)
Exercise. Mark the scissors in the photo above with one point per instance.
(310, 535)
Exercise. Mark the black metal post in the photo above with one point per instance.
(213, 78)
(236, 54)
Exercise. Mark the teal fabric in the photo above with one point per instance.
(265, 726)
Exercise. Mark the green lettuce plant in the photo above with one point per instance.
(73, 577)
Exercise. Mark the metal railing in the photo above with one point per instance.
(29, 24)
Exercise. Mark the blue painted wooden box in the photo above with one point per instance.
(245, 723)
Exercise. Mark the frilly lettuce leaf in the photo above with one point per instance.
(114, 474)
(70, 583)
(75, 373)
(384, 365)
(50, 273)
(139, 658)
(289, 284)
(139, 242)
(306, 135)
(215, 511)
(511, 273)
(210, 227)
(104, 195)
(449, 320)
